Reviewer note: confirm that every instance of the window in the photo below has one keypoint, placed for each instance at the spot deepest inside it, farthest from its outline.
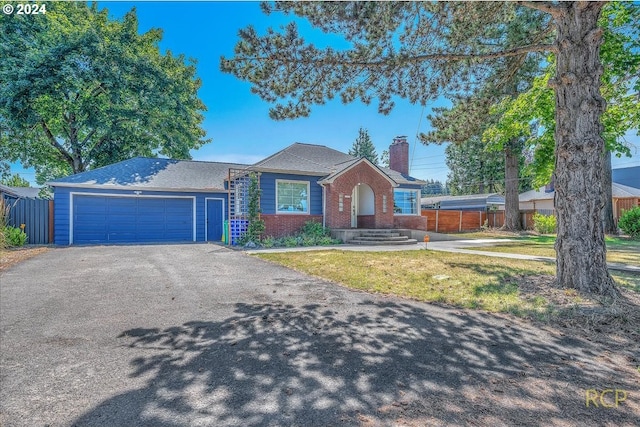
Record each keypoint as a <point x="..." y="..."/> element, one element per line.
<point x="405" y="202"/>
<point x="292" y="196"/>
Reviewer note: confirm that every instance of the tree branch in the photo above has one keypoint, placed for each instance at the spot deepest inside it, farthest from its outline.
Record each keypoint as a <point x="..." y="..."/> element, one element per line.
<point x="56" y="144"/>
<point x="543" y="6"/>
<point x="415" y="59"/>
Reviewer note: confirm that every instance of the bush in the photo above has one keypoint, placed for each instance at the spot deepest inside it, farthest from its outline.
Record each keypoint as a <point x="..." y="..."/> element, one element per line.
<point x="629" y="222"/>
<point x="14" y="236"/>
<point x="544" y="224"/>
<point x="311" y="234"/>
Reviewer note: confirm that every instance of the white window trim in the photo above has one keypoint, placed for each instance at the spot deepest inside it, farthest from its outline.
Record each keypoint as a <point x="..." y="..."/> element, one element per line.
<point x="291" y="181"/>
<point x="417" y="202"/>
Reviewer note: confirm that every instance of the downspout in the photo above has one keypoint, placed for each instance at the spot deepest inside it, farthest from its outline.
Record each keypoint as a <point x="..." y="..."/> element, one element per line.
<point x="324" y="206"/>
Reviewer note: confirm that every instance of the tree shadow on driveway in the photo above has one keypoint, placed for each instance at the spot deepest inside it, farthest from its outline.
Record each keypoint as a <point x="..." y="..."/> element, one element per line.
<point x="381" y="363"/>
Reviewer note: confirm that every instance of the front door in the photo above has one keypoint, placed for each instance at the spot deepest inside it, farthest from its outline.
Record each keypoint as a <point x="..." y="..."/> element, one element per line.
<point x="215" y="219"/>
<point x="354" y="207"/>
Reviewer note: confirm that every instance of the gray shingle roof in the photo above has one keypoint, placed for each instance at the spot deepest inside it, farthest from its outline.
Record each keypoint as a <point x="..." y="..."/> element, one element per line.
<point x="617" y="190"/>
<point x="306" y="158"/>
<point x="154" y="173"/>
<point x="168" y="174"/>
<point x="22" y="192"/>
<point x="319" y="160"/>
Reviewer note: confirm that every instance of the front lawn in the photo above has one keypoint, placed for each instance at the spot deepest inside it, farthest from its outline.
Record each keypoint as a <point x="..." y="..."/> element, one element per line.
<point x="619" y="249"/>
<point x="524" y="288"/>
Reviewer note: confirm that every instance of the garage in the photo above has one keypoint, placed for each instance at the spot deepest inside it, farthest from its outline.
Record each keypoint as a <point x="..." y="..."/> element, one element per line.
<point x="134" y="219"/>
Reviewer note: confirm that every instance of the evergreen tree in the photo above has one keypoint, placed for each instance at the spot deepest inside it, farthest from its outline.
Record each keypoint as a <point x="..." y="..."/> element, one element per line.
<point x="363" y="147"/>
<point x="422" y="50"/>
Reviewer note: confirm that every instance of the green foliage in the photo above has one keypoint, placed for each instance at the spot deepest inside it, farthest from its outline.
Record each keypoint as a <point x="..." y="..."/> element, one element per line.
<point x="80" y="91"/>
<point x="14" y="236"/>
<point x="363" y="147"/>
<point x="256" y="225"/>
<point x="312" y="233"/>
<point x="4" y="216"/>
<point x="544" y="224"/>
<point x="15" y="180"/>
<point x="629" y="222"/>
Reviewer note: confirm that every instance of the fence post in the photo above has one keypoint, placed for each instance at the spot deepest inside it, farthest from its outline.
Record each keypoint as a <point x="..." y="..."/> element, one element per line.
<point x="437" y="212"/>
<point x="460" y="223"/>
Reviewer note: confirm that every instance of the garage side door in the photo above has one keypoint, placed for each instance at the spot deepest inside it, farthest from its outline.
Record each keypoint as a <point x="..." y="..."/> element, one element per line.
<point x="101" y="219"/>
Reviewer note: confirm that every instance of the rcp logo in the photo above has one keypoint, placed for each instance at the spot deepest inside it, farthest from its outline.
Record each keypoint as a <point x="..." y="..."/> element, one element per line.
<point x="608" y="398"/>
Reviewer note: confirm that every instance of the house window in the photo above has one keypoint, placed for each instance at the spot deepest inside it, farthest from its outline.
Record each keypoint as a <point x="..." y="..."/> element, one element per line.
<point x="292" y="196"/>
<point x="384" y="203"/>
<point x="341" y="202"/>
<point x="405" y="202"/>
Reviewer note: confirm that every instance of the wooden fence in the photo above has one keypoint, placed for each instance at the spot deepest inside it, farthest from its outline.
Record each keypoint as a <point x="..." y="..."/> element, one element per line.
<point x="37" y="217"/>
<point x="446" y="221"/>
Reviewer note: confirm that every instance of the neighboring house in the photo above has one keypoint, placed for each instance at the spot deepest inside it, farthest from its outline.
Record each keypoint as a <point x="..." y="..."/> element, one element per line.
<point x="472" y="202"/>
<point x="542" y="200"/>
<point x="627" y="176"/>
<point x="19" y="192"/>
<point x="162" y="200"/>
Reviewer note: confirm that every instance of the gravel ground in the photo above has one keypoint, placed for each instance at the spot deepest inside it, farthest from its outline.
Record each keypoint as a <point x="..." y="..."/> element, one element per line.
<point x="199" y="335"/>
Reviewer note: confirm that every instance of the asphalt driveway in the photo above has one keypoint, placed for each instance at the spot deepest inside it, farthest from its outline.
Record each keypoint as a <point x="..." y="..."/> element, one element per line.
<point x="199" y="335"/>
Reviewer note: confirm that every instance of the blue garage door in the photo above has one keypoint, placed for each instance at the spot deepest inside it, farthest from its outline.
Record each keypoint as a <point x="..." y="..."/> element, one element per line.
<point x="98" y="219"/>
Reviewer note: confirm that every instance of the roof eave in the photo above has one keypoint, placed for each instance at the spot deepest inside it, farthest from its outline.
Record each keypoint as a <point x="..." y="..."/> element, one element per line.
<point x="137" y="188"/>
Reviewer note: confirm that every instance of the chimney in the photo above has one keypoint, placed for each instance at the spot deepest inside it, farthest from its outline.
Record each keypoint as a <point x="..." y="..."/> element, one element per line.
<point x="399" y="155"/>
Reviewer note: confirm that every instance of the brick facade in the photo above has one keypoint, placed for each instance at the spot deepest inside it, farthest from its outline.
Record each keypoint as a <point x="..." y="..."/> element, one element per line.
<point x="286" y="225"/>
<point x="413" y="222"/>
<point x="362" y="173"/>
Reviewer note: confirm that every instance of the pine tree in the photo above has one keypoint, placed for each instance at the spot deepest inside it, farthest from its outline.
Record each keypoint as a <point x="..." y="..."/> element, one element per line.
<point x="363" y="147"/>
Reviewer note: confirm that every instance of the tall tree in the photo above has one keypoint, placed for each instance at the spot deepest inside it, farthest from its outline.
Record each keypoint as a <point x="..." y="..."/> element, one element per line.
<point x="80" y="90"/>
<point x="15" y="180"/>
<point x="620" y="88"/>
<point x="363" y="147"/>
<point x="421" y="50"/>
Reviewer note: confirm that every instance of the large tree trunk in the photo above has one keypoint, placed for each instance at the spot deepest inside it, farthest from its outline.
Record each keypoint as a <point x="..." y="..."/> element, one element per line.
<point x="511" y="199"/>
<point x="607" y="196"/>
<point x="580" y="247"/>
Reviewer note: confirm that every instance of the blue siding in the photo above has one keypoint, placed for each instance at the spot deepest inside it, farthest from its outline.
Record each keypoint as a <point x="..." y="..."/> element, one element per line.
<point x="62" y="208"/>
<point x="268" y="187"/>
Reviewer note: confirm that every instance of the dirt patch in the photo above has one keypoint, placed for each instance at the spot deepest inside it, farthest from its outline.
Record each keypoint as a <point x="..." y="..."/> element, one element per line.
<point x="616" y="323"/>
<point x="11" y="257"/>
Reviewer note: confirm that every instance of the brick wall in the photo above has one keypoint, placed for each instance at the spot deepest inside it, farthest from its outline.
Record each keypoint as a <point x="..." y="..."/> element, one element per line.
<point x="286" y="225"/>
<point x="399" y="156"/>
<point x="345" y="183"/>
<point x="413" y="222"/>
<point x="366" y="221"/>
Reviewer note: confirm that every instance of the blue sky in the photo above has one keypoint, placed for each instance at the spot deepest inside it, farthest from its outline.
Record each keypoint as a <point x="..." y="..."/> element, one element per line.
<point x="238" y="122"/>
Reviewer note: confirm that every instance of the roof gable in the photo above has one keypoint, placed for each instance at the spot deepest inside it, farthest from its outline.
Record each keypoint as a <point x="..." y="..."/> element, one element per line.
<point x="352" y="164"/>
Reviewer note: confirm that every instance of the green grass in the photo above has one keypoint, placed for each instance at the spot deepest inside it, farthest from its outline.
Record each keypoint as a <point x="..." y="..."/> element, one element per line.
<point x="619" y="249"/>
<point x="454" y="279"/>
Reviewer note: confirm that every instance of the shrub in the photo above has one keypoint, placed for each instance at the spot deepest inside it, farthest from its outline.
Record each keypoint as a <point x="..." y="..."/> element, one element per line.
<point x="14" y="236"/>
<point x="544" y="224"/>
<point x="311" y="234"/>
<point x="629" y="222"/>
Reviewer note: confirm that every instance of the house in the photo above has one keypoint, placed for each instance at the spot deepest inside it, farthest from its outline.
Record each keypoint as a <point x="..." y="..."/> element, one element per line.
<point x="8" y="192"/>
<point x="145" y="200"/>
<point x="542" y="199"/>
<point x="472" y="202"/>
<point x="627" y="176"/>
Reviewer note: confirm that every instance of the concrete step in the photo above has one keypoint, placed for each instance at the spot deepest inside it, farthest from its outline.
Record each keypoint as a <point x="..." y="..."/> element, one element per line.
<point x="380" y="235"/>
<point x="381" y="238"/>
<point x="382" y="242"/>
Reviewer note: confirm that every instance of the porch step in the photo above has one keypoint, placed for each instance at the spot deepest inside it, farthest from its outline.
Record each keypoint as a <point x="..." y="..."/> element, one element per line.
<point x="382" y="238"/>
<point x="381" y="242"/>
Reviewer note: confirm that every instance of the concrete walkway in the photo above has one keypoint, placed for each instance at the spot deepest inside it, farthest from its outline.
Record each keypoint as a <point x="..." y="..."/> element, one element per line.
<point x="456" y="246"/>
